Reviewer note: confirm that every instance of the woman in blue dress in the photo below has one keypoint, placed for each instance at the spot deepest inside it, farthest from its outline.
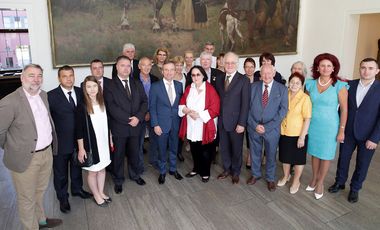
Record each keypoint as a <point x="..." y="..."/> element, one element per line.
<point x="327" y="93"/>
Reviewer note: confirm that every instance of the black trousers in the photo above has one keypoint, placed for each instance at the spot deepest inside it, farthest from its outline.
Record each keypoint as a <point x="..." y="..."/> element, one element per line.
<point x="61" y="164"/>
<point x="202" y="157"/>
<point x="125" y="146"/>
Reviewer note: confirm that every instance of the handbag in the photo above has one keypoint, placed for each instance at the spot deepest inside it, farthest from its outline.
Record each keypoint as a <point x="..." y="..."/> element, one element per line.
<point x="89" y="160"/>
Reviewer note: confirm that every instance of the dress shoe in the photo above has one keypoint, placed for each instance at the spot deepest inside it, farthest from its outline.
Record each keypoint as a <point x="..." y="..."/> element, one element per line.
<point x="64" y="206"/>
<point x="294" y="188"/>
<point x="205" y="179"/>
<point x="252" y="180"/>
<point x="191" y="174"/>
<point x="318" y="196"/>
<point x="118" y="188"/>
<point x="50" y="223"/>
<point x="140" y="181"/>
<point x="223" y="175"/>
<point x="309" y="188"/>
<point x="176" y="175"/>
<point x="353" y="197"/>
<point x="180" y="157"/>
<point x="82" y="194"/>
<point x="161" y="179"/>
<point x="271" y="186"/>
<point x="235" y="179"/>
<point x="248" y="166"/>
<point x="336" y="187"/>
<point x="108" y="200"/>
<point x="283" y="181"/>
<point x="103" y="204"/>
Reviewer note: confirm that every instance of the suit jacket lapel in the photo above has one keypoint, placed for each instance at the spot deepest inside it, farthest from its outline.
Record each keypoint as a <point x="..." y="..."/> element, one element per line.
<point x="273" y="92"/>
<point x="233" y="82"/>
<point x="26" y="105"/>
<point x="164" y="92"/>
<point x="352" y="93"/>
<point x="121" y="87"/>
<point x="63" y="97"/>
<point x="371" y="91"/>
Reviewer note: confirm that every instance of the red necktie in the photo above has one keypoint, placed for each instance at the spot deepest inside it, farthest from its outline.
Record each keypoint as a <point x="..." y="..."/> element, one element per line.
<point x="265" y="96"/>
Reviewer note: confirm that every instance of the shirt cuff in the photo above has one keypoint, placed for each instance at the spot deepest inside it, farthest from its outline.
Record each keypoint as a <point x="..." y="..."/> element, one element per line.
<point x="205" y="116"/>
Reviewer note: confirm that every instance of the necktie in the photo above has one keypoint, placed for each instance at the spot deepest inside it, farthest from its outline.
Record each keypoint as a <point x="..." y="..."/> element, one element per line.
<point x="127" y="89"/>
<point x="265" y="96"/>
<point x="227" y="82"/>
<point x="170" y="93"/>
<point x="71" y="100"/>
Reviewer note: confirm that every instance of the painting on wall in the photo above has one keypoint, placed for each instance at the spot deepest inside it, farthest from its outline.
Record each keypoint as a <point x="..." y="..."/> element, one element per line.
<point x="87" y="29"/>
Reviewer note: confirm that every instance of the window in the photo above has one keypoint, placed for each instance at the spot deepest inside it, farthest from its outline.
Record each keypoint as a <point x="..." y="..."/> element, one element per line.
<point x="14" y="40"/>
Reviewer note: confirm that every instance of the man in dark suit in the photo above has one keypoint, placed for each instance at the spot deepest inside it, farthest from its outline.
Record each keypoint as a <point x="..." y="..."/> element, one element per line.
<point x="147" y="79"/>
<point x="268" y="106"/>
<point x="129" y="51"/>
<point x="97" y="70"/>
<point x="29" y="140"/>
<point x="63" y="101"/>
<point x="233" y="89"/>
<point x="362" y="131"/>
<point x="126" y="104"/>
<point x="212" y="73"/>
<point x="163" y="107"/>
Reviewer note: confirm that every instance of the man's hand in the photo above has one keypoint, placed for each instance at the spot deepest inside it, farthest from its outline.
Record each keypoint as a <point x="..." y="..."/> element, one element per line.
<point x="157" y="130"/>
<point x="260" y="129"/>
<point x="370" y="145"/>
<point x="133" y="121"/>
<point x="239" y="129"/>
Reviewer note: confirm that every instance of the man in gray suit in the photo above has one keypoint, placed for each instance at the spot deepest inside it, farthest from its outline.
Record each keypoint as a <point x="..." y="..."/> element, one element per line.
<point x="27" y="135"/>
<point x="269" y="105"/>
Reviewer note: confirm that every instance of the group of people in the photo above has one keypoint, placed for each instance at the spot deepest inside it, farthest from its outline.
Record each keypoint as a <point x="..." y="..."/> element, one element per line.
<point x="173" y="101"/>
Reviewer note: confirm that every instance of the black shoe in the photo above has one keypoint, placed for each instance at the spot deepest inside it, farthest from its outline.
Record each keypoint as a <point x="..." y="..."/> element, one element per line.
<point x="64" y="206"/>
<point x="82" y="194"/>
<point x="176" y="175"/>
<point x="247" y="166"/>
<point x="118" y="188"/>
<point x="191" y="174"/>
<point x="353" y="197"/>
<point x="108" y="200"/>
<point x="50" y="223"/>
<point x="140" y="181"/>
<point x="103" y="205"/>
<point x="336" y="187"/>
<point x="180" y="157"/>
<point x="144" y="150"/>
<point x="205" y="179"/>
<point x="161" y="179"/>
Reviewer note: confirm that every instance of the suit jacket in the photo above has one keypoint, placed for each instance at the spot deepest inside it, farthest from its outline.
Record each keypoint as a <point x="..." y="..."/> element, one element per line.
<point x="153" y="79"/>
<point x="234" y="103"/>
<point x="363" y="122"/>
<point x="63" y="115"/>
<point x="18" y="132"/>
<point x="162" y="113"/>
<point x="135" y="68"/>
<point x="120" y="108"/>
<point x="271" y="116"/>
<point x="214" y="74"/>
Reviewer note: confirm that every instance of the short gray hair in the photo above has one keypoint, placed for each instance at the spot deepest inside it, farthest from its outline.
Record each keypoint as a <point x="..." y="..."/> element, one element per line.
<point x="304" y="69"/>
<point x="204" y="53"/>
<point x="128" y="46"/>
<point x="31" y="65"/>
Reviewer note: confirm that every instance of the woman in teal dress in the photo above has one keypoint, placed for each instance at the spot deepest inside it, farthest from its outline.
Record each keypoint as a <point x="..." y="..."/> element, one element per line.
<point x="327" y="94"/>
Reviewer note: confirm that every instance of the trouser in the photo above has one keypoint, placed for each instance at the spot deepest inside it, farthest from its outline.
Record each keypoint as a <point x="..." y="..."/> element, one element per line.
<point x="30" y="187"/>
<point x="231" y="147"/>
<point x="202" y="157"/>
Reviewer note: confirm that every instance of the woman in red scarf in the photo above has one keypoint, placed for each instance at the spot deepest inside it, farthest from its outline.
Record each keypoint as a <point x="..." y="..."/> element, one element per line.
<point x="200" y="104"/>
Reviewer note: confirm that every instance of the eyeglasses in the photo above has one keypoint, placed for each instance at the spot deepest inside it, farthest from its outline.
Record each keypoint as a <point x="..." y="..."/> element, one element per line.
<point x="195" y="75"/>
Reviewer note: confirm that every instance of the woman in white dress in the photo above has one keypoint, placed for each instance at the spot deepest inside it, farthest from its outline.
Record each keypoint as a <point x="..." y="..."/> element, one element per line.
<point x="97" y="135"/>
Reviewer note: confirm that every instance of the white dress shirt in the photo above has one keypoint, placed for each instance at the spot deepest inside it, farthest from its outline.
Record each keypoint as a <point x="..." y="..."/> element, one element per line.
<point x="361" y="91"/>
<point x="269" y="87"/>
<point x="166" y="83"/>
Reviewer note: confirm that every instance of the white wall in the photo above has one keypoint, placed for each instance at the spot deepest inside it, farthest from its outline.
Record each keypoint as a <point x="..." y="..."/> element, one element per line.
<point x="325" y="26"/>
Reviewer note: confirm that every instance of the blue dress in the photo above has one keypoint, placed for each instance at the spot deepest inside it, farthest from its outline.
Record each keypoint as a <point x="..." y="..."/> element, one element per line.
<point x="324" y="124"/>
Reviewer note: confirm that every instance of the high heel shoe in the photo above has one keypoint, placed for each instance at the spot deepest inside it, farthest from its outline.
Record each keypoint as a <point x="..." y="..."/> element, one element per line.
<point x="283" y="181"/>
<point x="294" y="189"/>
<point x="310" y="189"/>
<point x="318" y="196"/>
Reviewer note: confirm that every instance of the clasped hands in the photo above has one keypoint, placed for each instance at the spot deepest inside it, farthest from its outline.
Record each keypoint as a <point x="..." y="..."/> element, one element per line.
<point x="192" y="113"/>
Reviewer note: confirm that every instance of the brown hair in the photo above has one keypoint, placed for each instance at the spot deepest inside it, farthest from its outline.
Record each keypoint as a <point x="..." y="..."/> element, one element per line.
<point x="99" y="95"/>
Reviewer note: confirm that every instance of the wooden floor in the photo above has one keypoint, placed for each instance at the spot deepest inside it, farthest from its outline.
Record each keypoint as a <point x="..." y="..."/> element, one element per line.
<point x="191" y="204"/>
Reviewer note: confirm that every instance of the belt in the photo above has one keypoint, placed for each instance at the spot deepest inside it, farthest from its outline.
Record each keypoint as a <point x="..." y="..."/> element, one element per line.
<point x="40" y="150"/>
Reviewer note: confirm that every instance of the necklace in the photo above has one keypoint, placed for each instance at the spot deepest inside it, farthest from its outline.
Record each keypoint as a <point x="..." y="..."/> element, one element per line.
<point x="323" y="85"/>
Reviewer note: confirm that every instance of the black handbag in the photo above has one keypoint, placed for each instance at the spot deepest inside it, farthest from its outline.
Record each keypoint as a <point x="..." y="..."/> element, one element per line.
<point x="89" y="160"/>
